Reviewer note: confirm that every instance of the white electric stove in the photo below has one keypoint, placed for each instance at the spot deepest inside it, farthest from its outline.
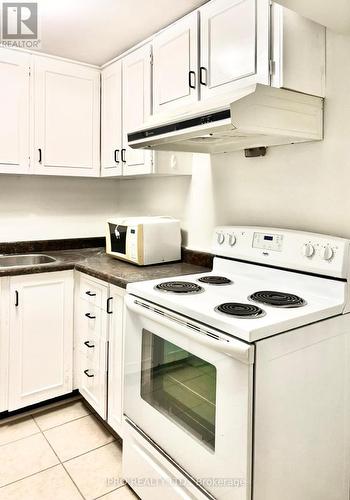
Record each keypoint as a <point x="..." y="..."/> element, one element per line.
<point x="238" y="376"/>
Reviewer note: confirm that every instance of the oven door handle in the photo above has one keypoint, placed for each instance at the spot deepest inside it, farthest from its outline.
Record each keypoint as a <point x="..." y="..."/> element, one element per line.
<point x="214" y="340"/>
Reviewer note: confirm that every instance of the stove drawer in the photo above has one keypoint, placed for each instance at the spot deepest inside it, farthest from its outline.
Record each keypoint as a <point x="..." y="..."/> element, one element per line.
<point x="142" y="460"/>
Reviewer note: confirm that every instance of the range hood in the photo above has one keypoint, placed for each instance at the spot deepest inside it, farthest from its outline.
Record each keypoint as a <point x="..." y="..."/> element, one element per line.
<point x="258" y="115"/>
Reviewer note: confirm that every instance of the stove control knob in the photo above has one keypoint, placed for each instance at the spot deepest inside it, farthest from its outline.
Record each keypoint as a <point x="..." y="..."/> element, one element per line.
<point x="220" y="238"/>
<point x="231" y="239"/>
<point x="327" y="253"/>
<point x="308" y="250"/>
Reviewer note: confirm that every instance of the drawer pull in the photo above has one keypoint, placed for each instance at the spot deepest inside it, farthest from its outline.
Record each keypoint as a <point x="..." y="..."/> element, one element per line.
<point x="90" y="294"/>
<point x="90" y="346"/>
<point x="88" y="315"/>
<point x="88" y="374"/>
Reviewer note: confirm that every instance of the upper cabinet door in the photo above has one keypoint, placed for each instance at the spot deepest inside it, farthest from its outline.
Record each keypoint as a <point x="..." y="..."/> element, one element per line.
<point x="234" y="45"/>
<point x="111" y="121"/>
<point x="67" y="121"/>
<point x="14" y="106"/>
<point x="175" y="65"/>
<point x="136" y="108"/>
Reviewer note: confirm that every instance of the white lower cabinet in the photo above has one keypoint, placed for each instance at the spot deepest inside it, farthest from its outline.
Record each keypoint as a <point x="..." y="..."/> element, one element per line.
<point x="43" y="355"/>
<point x="98" y="347"/>
<point x="40" y="337"/>
<point x="92" y="353"/>
<point x="116" y="360"/>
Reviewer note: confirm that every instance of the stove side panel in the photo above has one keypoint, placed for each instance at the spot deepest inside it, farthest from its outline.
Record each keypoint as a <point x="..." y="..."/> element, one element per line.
<point x="302" y="413"/>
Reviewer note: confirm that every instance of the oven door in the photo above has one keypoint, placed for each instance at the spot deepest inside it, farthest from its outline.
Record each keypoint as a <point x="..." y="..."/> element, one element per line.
<point x="189" y="389"/>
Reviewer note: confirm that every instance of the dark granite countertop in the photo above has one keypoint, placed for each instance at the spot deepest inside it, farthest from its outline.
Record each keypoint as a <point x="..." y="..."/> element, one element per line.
<point x="95" y="262"/>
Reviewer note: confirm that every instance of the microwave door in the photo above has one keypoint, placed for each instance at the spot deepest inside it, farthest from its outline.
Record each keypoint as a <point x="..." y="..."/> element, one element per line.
<point x="118" y="235"/>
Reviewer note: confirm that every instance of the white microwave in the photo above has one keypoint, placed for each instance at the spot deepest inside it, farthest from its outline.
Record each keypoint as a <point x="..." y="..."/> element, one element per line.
<point x="144" y="240"/>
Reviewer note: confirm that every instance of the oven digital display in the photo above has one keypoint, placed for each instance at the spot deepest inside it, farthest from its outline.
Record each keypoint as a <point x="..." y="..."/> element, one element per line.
<point x="265" y="241"/>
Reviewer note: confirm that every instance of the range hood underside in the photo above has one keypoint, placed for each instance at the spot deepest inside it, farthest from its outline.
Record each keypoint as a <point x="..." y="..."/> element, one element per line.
<point x="265" y="116"/>
<point x="223" y="141"/>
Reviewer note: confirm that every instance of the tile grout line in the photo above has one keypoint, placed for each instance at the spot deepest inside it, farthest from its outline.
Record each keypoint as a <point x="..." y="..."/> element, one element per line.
<point x="29" y="475"/>
<point x="111" y="491"/>
<point x="61" y="463"/>
<point x="21" y="439"/>
<point x="89" y="451"/>
<point x="64" y="423"/>
<point x="41" y="430"/>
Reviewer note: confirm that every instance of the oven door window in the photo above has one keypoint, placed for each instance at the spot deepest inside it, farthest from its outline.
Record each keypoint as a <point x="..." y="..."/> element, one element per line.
<point x="118" y="238"/>
<point x="179" y="385"/>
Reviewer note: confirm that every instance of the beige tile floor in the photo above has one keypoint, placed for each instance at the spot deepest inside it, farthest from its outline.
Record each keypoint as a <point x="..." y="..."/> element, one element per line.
<point x="60" y="452"/>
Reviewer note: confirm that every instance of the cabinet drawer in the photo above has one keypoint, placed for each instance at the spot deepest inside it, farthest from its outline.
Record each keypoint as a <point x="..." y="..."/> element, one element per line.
<point x="93" y="292"/>
<point x="93" y="384"/>
<point x="92" y="322"/>
<point x="92" y="350"/>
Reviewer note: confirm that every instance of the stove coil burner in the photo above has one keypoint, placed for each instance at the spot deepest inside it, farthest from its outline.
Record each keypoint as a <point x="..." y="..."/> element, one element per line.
<point x="237" y="310"/>
<point x="179" y="287"/>
<point x="277" y="299"/>
<point x="215" y="280"/>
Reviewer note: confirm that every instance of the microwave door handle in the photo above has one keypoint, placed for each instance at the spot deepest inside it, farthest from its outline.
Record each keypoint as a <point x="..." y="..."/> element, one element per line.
<point x="235" y="348"/>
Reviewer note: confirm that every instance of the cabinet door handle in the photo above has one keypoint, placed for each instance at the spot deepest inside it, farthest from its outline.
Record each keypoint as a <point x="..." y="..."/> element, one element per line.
<point x="109" y="300"/>
<point x="192" y="81"/>
<point x="88" y="315"/>
<point x="203" y="75"/>
<point x="124" y="155"/>
<point x="40" y="155"/>
<point x="16" y="299"/>
<point x="87" y="374"/>
<point x="90" y="346"/>
<point x="90" y="294"/>
<point x="116" y="155"/>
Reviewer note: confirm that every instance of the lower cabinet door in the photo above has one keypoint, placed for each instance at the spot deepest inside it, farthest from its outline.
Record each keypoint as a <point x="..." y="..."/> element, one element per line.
<point x="41" y="337"/>
<point x="115" y="360"/>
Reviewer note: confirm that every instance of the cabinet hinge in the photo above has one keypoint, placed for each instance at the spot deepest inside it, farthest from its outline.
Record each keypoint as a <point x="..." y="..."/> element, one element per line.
<point x="151" y="56"/>
<point x="30" y="71"/>
<point x="272" y="65"/>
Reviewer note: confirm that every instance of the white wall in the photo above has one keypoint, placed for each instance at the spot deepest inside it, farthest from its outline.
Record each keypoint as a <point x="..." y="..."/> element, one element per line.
<point x="36" y="208"/>
<point x="304" y="186"/>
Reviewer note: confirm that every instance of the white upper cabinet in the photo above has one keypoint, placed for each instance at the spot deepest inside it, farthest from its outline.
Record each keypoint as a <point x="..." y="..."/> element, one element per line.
<point x="175" y="64"/>
<point x="298" y="51"/>
<point x="67" y="118"/>
<point x="111" y="120"/>
<point x="40" y="337"/>
<point x="14" y="106"/>
<point x="234" y="45"/>
<point x="136" y="108"/>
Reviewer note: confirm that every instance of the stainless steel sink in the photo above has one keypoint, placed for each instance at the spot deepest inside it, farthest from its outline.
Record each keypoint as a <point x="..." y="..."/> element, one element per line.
<point x="27" y="260"/>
